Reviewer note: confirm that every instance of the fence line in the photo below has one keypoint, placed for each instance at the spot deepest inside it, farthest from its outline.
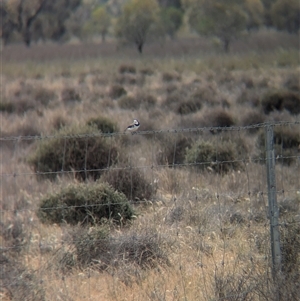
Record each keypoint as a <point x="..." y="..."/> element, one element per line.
<point x="217" y="206"/>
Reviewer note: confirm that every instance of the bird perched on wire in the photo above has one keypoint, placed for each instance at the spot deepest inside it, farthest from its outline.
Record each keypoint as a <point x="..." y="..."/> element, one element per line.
<point x="133" y="127"/>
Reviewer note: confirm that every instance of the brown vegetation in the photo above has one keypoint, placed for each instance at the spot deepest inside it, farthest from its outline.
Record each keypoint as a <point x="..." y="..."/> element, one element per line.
<point x="175" y="211"/>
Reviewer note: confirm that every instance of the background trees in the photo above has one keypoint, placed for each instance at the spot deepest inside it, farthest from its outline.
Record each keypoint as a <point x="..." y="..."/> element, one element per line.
<point x="223" y="19"/>
<point x="43" y="19"/>
<point x="285" y="15"/>
<point x="138" y="21"/>
<point x="135" y="22"/>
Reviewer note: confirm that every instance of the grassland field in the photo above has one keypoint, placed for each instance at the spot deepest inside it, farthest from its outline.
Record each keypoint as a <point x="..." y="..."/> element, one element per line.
<point x="200" y="229"/>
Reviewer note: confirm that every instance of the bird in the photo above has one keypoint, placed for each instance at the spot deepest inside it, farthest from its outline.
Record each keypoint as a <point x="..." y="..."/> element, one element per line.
<point x="133" y="127"/>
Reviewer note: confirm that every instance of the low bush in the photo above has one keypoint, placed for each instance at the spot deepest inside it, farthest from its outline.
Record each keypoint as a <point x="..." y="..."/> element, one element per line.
<point x="170" y="76"/>
<point x="116" y="91"/>
<point x="131" y="182"/>
<point x="253" y="118"/>
<point x="85" y="203"/>
<point x="95" y="248"/>
<point x="173" y="149"/>
<point x="188" y="107"/>
<point x="129" y="103"/>
<point x="103" y="124"/>
<point x="286" y="144"/>
<point x="280" y="100"/>
<point x="6" y="106"/>
<point x="148" y="101"/>
<point x="219" y="118"/>
<point x="125" y="68"/>
<point x="221" y="157"/>
<point x="74" y="149"/>
<point x="69" y="94"/>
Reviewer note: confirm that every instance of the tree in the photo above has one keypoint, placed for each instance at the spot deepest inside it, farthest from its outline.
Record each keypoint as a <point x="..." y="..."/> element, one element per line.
<point x="285" y="15"/>
<point x="255" y="13"/>
<point x="20" y="16"/>
<point x="135" y="22"/>
<point x="101" y="21"/>
<point x="6" y="24"/>
<point x="36" y="18"/>
<point x="171" y="20"/>
<point x="220" y="18"/>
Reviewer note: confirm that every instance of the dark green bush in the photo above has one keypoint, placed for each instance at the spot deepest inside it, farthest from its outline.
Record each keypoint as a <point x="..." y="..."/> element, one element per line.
<point x="74" y="149"/>
<point x="280" y="100"/>
<point x="129" y="181"/>
<point x="103" y="124"/>
<point x="116" y="91"/>
<point x="85" y="203"/>
<point x="221" y="157"/>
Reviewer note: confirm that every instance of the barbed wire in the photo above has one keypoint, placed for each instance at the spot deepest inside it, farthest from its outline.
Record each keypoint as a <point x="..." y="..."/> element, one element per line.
<point x="171" y="130"/>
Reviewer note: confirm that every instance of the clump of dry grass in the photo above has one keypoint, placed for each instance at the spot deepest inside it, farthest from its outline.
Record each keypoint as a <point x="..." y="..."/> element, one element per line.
<point x="125" y="68"/>
<point x="116" y="91"/>
<point x="131" y="182"/>
<point x="70" y="94"/>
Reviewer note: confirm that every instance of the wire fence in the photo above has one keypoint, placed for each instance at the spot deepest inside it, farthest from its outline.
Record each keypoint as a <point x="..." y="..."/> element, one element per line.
<point x="199" y="230"/>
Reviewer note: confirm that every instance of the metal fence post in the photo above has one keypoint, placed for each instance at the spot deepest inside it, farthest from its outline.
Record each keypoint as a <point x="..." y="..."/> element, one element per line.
<point x="272" y="197"/>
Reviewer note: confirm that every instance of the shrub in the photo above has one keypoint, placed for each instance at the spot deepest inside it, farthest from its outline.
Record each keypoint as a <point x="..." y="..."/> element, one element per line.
<point x="170" y="76"/>
<point x="144" y="249"/>
<point x="6" y="106"/>
<point x="103" y="124"/>
<point x="219" y="118"/>
<point x="116" y="91"/>
<point x="173" y="149"/>
<point x="70" y="95"/>
<point x="92" y="244"/>
<point x="129" y="181"/>
<point x="292" y="82"/>
<point x="95" y="248"/>
<point x="148" y="101"/>
<point x="286" y="143"/>
<point x="172" y="100"/>
<point x="128" y="79"/>
<point x="146" y="71"/>
<point x="85" y="203"/>
<point x="218" y="156"/>
<point x="44" y="95"/>
<point x="253" y="118"/>
<point x="249" y="97"/>
<point x="129" y="103"/>
<point x="74" y="149"/>
<point x="188" y="107"/>
<point x="124" y="68"/>
<point x="280" y="100"/>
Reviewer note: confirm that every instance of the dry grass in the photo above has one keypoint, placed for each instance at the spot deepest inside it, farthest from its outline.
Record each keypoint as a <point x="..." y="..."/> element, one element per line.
<point x="199" y="234"/>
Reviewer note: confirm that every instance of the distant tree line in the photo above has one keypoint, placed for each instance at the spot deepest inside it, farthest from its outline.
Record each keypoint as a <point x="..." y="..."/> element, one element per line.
<point x="138" y="21"/>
